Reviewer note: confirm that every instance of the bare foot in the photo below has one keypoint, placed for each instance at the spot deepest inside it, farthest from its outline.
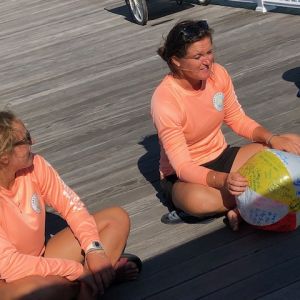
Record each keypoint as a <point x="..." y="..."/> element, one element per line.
<point x="234" y="219"/>
<point x="126" y="270"/>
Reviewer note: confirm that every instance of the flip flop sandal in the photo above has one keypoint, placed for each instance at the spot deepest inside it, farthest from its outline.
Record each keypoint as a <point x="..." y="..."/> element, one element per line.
<point x="133" y="258"/>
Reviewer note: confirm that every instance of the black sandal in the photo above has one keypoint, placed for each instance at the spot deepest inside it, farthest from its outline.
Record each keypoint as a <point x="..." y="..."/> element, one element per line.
<point x="133" y="258"/>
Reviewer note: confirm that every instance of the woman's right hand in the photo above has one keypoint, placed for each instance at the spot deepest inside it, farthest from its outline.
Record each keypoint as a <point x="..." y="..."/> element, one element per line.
<point x="235" y="183"/>
<point x="100" y="266"/>
<point x="88" y="286"/>
<point x="86" y="292"/>
<point x="98" y="272"/>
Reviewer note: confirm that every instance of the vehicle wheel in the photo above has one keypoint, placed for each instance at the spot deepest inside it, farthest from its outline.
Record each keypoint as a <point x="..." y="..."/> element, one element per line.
<point x="138" y="10"/>
<point x="203" y="2"/>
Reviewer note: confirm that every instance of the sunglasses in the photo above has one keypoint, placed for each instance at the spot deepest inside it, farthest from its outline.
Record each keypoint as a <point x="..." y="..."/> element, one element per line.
<point x="27" y="140"/>
<point x="191" y="31"/>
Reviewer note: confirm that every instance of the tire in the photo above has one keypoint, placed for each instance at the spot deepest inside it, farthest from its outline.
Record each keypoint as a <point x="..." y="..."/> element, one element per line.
<point x="138" y="10"/>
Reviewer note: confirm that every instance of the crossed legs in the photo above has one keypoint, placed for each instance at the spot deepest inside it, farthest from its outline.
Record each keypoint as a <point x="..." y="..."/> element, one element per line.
<point x="199" y="200"/>
<point x="113" y="226"/>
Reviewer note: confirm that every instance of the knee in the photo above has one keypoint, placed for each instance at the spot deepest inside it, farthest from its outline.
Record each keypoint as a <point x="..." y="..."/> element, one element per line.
<point x="189" y="202"/>
<point x="113" y="215"/>
<point x="199" y="203"/>
<point x="121" y="215"/>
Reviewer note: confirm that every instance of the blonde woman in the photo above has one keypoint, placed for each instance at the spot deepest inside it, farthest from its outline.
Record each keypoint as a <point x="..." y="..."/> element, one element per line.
<point x="81" y="260"/>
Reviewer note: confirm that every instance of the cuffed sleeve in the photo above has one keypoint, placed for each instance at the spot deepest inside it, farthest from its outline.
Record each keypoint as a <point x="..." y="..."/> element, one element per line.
<point x="15" y="265"/>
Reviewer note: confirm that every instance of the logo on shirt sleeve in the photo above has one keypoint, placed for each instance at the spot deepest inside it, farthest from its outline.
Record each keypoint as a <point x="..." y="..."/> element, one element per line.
<point x="218" y="101"/>
<point x="35" y="203"/>
<point x="74" y="200"/>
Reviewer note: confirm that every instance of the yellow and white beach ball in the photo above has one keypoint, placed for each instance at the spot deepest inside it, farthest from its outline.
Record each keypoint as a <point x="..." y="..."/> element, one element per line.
<point x="274" y="187"/>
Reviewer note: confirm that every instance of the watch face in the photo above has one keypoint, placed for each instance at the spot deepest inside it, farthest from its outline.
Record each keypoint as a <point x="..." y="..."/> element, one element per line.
<point x="96" y="244"/>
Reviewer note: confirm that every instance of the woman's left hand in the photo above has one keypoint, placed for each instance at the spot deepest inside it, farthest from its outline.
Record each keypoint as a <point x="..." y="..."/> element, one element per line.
<point x="235" y="183"/>
<point x="288" y="142"/>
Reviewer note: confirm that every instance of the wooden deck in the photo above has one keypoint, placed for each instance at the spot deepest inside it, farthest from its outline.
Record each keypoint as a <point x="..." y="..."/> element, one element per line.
<point x="81" y="75"/>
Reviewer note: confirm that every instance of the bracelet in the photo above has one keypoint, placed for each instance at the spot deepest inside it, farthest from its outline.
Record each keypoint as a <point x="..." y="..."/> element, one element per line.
<point x="270" y="138"/>
<point x="214" y="179"/>
<point x="93" y="250"/>
<point x="214" y="183"/>
<point x="90" y="251"/>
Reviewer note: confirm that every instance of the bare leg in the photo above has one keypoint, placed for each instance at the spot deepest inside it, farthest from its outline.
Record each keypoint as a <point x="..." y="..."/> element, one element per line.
<point x="245" y="153"/>
<point x="113" y="227"/>
<point x="199" y="200"/>
<point x="37" y="287"/>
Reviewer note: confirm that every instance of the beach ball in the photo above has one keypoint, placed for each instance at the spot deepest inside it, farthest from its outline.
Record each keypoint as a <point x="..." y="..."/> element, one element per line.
<point x="274" y="187"/>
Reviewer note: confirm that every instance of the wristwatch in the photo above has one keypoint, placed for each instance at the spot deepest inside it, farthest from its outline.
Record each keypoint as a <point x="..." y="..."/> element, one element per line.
<point x="93" y="246"/>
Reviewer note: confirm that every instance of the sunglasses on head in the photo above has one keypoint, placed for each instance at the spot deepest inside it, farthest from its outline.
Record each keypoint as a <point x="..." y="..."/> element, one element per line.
<point x="27" y="140"/>
<point x="189" y="32"/>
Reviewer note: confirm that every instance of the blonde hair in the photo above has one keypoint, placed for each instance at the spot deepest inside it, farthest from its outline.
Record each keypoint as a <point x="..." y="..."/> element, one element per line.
<point x="7" y="137"/>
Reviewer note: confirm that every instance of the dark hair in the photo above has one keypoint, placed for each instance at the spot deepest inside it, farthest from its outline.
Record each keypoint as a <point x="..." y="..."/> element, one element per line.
<point x="180" y="37"/>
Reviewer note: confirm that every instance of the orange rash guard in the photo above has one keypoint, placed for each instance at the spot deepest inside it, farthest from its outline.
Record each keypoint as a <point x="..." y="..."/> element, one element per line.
<point x="189" y="124"/>
<point x="22" y="223"/>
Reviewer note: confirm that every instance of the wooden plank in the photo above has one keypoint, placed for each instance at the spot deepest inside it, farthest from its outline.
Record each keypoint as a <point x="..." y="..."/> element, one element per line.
<point x="217" y="266"/>
<point x="81" y="76"/>
<point x="248" y="274"/>
<point x="290" y="291"/>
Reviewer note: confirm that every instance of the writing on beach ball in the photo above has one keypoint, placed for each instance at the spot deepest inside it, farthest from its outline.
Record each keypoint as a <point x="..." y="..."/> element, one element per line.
<point x="274" y="187"/>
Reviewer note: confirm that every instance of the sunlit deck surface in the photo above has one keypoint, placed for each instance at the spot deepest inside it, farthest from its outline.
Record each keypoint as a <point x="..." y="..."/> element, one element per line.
<point x="81" y="75"/>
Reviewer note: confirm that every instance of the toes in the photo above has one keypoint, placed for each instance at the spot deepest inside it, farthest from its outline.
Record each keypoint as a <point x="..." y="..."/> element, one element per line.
<point x="126" y="270"/>
<point x="233" y="219"/>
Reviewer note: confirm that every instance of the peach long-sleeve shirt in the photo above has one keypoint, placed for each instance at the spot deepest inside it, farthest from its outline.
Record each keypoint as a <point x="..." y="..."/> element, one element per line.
<point x="22" y="223"/>
<point x="189" y="124"/>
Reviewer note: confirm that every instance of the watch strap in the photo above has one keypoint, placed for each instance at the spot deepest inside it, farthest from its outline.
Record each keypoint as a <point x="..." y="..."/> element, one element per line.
<point x="93" y="246"/>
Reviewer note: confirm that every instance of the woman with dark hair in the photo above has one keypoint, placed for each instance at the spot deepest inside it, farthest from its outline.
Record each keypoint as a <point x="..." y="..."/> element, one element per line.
<point x="198" y="168"/>
<point x="81" y="260"/>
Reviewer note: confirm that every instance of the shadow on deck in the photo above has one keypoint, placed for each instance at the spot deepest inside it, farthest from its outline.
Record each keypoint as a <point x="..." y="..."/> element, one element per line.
<point x="221" y="265"/>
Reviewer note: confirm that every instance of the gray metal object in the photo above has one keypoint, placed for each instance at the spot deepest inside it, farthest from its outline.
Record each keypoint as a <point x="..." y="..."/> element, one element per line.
<point x="138" y="10"/>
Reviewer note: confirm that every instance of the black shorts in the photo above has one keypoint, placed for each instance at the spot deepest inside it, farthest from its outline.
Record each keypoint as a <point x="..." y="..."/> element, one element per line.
<point x="54" y="224"/>
<point x="222" y="163"/>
